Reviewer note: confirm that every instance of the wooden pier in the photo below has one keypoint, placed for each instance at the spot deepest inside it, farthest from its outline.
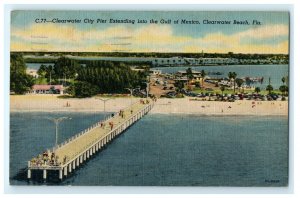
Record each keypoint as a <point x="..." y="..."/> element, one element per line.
<point x="68" y="156"/>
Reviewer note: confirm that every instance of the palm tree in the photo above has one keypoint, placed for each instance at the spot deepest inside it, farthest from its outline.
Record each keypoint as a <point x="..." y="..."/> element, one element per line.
<point x="283" y="80"/>
<point x="203" y="74"/>
<point x="239" y="82"/>
<point x="257" y="90"/>
<point x="179" y="85"/>
<point x="189" y="74"/>
<point x="222" y="88"/>
<point x="232" y="75"/>
<point x="50" y="71"/>
<point x="269" y="88"/>
<point x="283" y="89"/>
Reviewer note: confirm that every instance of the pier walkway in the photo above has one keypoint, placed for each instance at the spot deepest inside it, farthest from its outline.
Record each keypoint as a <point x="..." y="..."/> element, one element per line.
<point x="68" y="155"/>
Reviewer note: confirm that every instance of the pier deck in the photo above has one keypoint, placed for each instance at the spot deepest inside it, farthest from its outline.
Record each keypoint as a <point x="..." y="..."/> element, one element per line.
<point x="71" y="153"/>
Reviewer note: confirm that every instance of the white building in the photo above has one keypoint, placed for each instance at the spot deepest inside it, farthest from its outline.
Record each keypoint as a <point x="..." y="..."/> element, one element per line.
<point x="47" y="89"/>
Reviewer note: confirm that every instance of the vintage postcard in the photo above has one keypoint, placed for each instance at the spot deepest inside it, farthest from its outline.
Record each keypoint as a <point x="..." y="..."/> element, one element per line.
<point x="149" y="98"/>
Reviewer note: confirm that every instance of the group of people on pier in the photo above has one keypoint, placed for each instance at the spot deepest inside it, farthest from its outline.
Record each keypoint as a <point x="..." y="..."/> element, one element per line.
<point x="45" y="159"/>
<point x="144" y="101"/>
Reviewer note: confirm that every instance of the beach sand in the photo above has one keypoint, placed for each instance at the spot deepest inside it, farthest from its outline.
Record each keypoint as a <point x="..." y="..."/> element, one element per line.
<point x="185" y="105"/>
<point x="239" y="107"/>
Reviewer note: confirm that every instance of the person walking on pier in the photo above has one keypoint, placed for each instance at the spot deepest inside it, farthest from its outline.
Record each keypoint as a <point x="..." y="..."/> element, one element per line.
<point x="121" y="113"/>
<point x="111" y="124"/>
<point x="65" y="159"/>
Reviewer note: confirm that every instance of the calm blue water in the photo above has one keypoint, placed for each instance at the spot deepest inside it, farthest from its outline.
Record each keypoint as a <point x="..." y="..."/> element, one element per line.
<point x="275" y="72"/>
<point x="36" y="66"/>
<point x="165" y="150"/>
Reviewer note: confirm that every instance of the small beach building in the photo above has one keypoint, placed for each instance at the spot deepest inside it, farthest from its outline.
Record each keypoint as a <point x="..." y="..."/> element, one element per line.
<point x="155" y="72"/>
<point x="183" y="74"/>
<point x="47" y="89"/>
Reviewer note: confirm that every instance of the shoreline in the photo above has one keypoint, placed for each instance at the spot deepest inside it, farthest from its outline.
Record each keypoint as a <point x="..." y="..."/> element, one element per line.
<point x="151" y="113"/>
<point x="166" y="106"/>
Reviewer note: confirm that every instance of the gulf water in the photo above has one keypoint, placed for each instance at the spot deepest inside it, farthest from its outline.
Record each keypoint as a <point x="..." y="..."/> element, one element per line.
<point x="163" y="150"/>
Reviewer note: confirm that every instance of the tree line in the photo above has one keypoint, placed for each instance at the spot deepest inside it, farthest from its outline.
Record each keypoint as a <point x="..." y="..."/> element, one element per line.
<point x="163" y="55"/>
<point x="20" y="82"/>
<point x="93" y="77"/>
<point x="107" y="77"/>
<point x="84" y="80"/>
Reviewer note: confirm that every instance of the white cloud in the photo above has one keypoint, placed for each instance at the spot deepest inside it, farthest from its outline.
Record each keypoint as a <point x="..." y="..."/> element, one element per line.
<point x="148" y="38"/>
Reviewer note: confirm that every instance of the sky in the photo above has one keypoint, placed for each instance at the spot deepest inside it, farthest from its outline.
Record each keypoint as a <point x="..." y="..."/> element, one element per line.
<point x="271" y="36"/>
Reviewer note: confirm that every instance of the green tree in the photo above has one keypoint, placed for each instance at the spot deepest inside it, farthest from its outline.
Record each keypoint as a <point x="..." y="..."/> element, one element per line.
<point x="222" y="88"/>
<point x="283" y="80"/>
<point x="83" y="89"/>
<point x="257" y="90"/>
<point x="42" y="71"/>
<point x="203" y="74"/>
<point x="283" y="89"/>
<point x="269" y="88"/>
<point x="71" y="89"/>
<point x="189" y="74"/>
<point x="65" y="68"/>
<point x="17" y="64"/>
<point x="239" y="82"/>
<point x="111" y="77"/>
<point x="179" y="85"/>
<point x="232" y="76"/>
<point x="50" y="74"/>
<point x="20" y="82"/>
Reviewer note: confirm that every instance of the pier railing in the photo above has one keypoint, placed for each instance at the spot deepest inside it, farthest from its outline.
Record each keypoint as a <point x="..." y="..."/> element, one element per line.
<point x="76" y="158"/>
<point x="88" y="129"/>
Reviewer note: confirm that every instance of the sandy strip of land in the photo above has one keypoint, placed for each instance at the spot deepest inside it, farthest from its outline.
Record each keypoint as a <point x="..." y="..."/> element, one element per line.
<point x="49" y="103"/>
<point x="240" y="107"/>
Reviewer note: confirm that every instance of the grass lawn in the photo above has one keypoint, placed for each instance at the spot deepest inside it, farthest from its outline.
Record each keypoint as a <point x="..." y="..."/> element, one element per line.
<point x="41" y="81"/>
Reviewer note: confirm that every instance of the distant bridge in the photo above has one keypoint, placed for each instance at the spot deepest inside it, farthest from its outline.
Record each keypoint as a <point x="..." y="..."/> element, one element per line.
<point x="68" y="156"/>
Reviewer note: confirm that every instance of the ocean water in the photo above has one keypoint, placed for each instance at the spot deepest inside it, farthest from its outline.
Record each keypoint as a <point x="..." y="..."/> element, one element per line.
<point x="164" y="150"/>
<point x="36" y="66"/>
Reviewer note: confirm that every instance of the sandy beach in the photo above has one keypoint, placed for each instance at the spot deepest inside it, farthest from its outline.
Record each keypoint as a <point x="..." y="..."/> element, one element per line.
<point x="240" y="107"/>
<point x="49" y="103"/>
